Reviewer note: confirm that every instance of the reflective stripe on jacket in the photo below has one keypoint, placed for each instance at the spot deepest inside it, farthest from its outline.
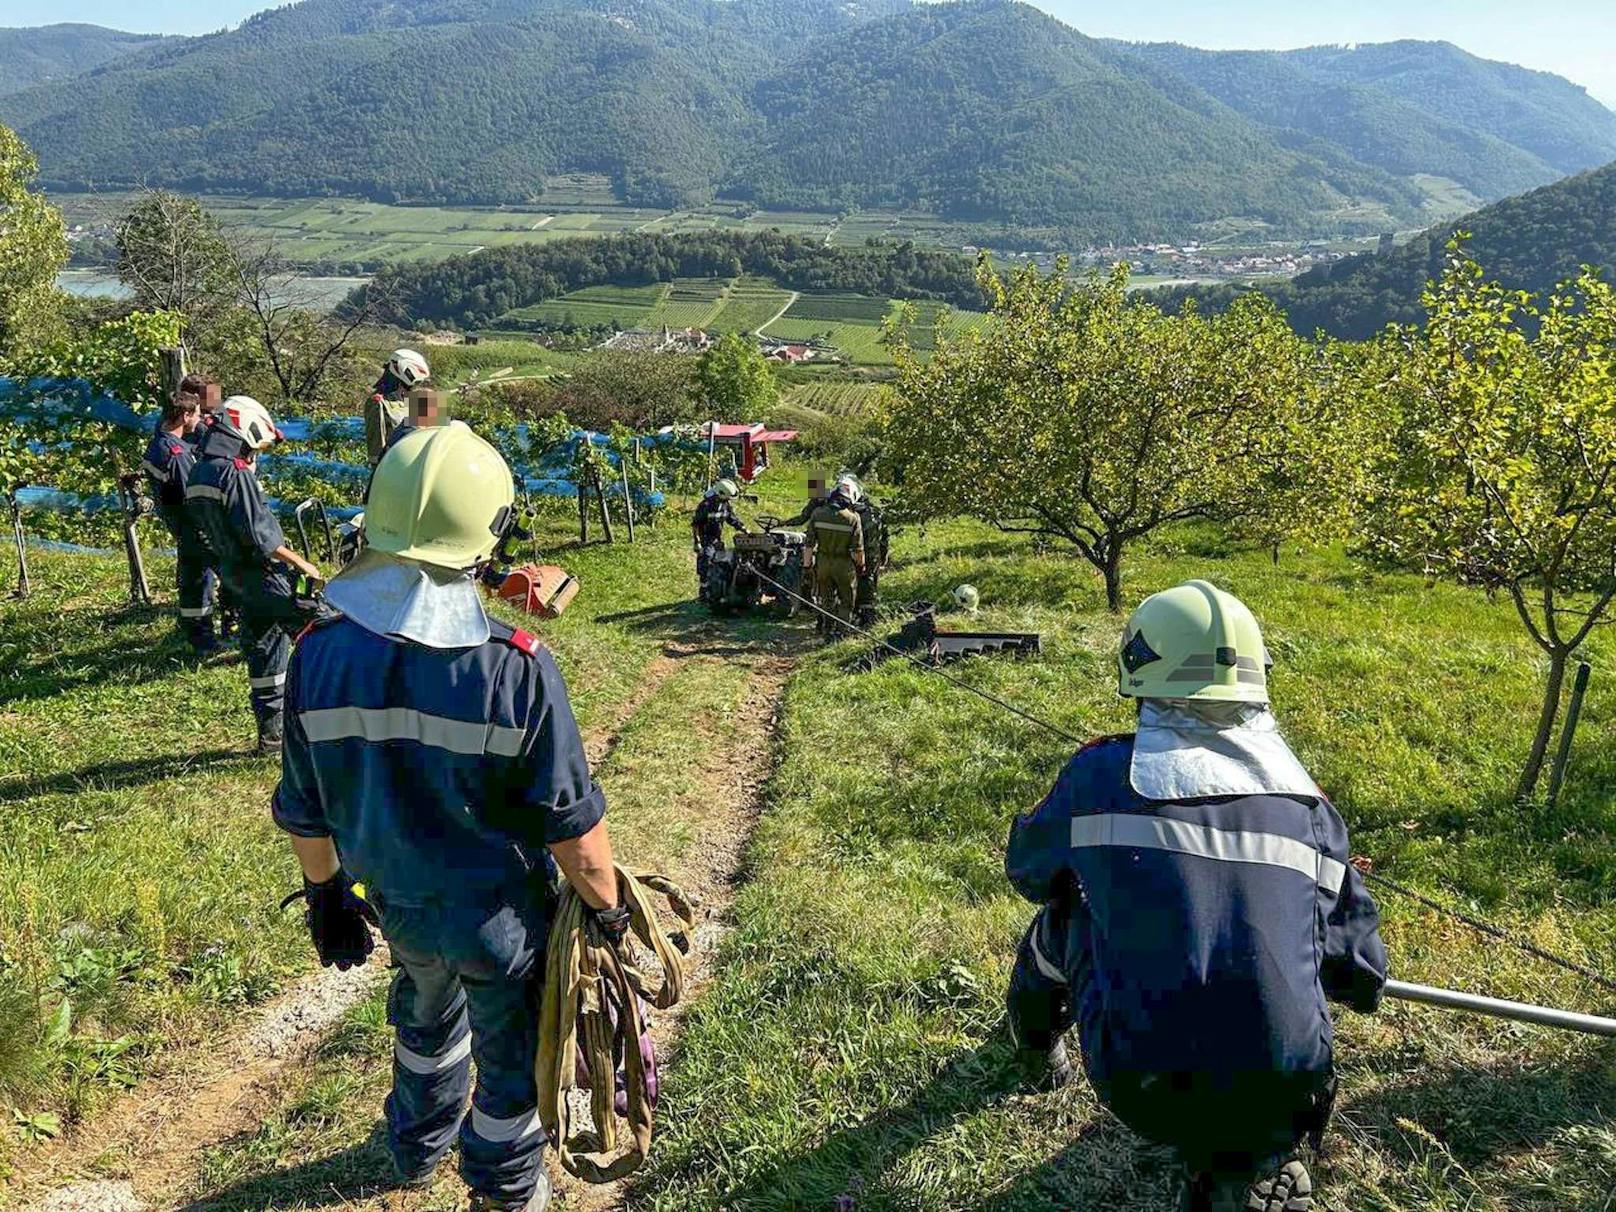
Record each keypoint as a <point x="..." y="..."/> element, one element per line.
<point x="836" y="534"/>
<point x="1207" y="932"/>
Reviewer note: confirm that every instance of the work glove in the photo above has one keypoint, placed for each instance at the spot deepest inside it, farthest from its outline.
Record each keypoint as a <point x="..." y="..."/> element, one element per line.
<point x="339" y="921"/>
<point x="607" y="927"/>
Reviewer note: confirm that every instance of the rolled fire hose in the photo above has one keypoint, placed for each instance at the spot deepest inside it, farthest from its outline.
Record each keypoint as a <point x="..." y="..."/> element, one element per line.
<point x="592" y="1009"/>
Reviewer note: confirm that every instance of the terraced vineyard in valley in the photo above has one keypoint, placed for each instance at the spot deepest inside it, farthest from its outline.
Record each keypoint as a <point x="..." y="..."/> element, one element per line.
<point x="834" y="399"/>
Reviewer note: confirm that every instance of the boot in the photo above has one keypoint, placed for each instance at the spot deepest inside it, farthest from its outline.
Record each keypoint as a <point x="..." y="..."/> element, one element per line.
<point x="204" y="643"/>
<point x="1044" y="1071"/>
<point x="271" y="729"/>
<point x="1287" y="1189"/>
<point x="537" y="1202"/>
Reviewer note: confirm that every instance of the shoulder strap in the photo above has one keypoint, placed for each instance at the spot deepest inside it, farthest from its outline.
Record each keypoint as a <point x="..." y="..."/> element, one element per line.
<point x="514" y="637"/>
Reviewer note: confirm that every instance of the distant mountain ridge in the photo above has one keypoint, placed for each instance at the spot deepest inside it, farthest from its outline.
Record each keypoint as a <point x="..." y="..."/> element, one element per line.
<point x="985" y="111"/>
<point x="41" y="54"/>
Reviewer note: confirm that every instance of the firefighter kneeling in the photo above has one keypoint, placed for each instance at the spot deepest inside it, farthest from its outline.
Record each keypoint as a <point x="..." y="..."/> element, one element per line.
<point x="1198" y="909"/>
<point x="432" y="755"/>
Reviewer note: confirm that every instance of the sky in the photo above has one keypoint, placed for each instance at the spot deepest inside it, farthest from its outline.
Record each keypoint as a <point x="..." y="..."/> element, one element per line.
<point x="1575" y="38"/>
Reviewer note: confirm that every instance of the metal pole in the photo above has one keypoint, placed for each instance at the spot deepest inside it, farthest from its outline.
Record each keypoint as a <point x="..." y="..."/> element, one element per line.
<point x="1520" y="1012"/>
<point x="628" y="500"/>
<point x="129" y="494"/>
<point x="712" y="449"/>
<point x="21" y="540"/>
<point x="1579" y="688"/>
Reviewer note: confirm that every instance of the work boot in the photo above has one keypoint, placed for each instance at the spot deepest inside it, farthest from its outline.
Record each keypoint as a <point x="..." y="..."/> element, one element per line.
<point x="271" y="729"/>
<point x="537" y="1202"/>
<point x="205" y="644"/>
<point x="417" y="1180"/>
<point x="1045" y="1071"/>
<point x="1287" y="1189"/>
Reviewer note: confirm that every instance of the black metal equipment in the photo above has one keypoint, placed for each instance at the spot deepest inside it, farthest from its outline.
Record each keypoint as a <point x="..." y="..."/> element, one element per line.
<point x="135" y="506"/>
<point x="741" y="577"/>
<point x="921" y="637"/>
<point x="313" y="505"/>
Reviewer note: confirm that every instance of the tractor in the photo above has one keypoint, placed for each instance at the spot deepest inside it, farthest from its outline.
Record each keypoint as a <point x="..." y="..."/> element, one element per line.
<point x="733" y="576"/>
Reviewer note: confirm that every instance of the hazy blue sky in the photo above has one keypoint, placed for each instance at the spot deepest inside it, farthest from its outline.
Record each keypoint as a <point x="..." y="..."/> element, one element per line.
<point x="1576" y="38"/>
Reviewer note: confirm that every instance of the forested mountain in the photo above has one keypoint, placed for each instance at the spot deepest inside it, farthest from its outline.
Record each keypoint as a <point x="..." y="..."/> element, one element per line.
<point x="54" y="52"/>
<point x="1532" y="242"/>
<point x="985" y="110"/>
<point x="1299" y="96"/>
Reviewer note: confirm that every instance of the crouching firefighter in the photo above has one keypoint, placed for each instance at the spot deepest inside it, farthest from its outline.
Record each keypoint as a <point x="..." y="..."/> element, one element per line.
<point x="432" y="755"/>
<point x="224" y="501"/>
<point x="715" y="511"/>
<point x="1198" y="909"/>
<point x="167" y="463"/>
<point x="834" y="549"/>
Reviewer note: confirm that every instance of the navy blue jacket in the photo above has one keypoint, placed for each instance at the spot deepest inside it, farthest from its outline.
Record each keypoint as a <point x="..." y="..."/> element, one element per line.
<point x="224" y="501"/>
<point x="1202" y="936"/>
<point x="167" y="463"/>
<point x="440" y="774"/>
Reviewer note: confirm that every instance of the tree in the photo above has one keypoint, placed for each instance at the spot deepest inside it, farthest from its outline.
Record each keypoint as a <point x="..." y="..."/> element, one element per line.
<point x="1095" y="419"/>
<point x="173" y="255"/>
<point x="644" y="391"/>
<point x="33" y="250"/>
<point x="735" y="381"/>
<point x="1501" y="469"/>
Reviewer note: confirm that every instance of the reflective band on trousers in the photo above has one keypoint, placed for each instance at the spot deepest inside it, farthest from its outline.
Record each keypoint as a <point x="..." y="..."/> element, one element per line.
<point x="268" y="683"/>
<point x="419" y="1062"/>
<point x="504" y="1131"/>
<point x="1201" y="841"/>
<point x="1041" y="960"/>
<point x="205" y="491"/>
<point x="378" y="724"/>
<point x="195" y="612"/>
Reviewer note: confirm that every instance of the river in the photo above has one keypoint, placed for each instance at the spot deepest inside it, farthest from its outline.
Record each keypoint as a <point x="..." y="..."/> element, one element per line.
<point x="100" y="284"/>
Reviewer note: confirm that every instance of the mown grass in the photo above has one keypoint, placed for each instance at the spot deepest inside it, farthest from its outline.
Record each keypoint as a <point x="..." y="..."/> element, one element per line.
<point x="851" y="1053"/>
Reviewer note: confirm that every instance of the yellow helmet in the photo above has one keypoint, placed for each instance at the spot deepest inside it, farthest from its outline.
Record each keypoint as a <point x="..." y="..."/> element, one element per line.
<point x="441" y="496"/>
<point x="1193" y="641"/>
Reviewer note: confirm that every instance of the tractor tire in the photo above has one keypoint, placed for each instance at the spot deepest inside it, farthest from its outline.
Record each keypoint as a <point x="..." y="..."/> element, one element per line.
<point x="785" y="605"/>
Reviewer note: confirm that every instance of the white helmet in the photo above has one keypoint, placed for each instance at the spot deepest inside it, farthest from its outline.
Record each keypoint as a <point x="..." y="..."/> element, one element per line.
<point x="851" y="489"/>
<point x="409" y="367"/>
<point x="726" y="490"/>
<point x="967" y="598"/>
<point x="252" y="421"/>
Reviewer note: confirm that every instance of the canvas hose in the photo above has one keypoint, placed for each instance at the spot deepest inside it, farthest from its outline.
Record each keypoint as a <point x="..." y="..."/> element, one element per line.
<point x="1525" y="946"/>
<point x="592" y="1010"/>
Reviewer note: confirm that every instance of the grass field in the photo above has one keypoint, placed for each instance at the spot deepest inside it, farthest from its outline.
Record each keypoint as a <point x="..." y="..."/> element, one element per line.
<point x="595" y="306"/>
<point x="849" y="1052"/>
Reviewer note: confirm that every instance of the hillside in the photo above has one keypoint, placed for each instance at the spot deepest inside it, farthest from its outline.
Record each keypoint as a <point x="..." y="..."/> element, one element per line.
<point x="29" y="57"/>
<point x="1403" y="130"/>
<point x="987" y="111"/>
<point x="1530" y="242"/>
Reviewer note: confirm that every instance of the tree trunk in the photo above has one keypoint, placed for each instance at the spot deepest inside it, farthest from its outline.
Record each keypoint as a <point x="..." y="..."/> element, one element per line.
<point x="1112" y="569"/>
<point x="1545" y="726"/>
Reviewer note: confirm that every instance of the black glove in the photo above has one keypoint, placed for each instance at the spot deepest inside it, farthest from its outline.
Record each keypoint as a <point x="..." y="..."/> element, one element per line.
<point x="607" y="927"/>
<point x="338" y="921"/>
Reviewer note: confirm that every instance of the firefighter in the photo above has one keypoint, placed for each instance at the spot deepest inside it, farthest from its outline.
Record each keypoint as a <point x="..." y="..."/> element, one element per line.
<point x="225" y="503"/>
<point x="432" y="755"/>
<point x="875" y="549"/>
<point x="716" y="511"/>
<point x="386" y="409"/>
<point x="1198" y="908"/>
<point x="167" y="464"/>
<point x="834" y="549"/>
<point x="211" y="398"/>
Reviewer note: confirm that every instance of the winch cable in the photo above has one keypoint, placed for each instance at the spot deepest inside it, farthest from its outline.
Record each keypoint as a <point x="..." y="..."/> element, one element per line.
<point x="1525" y="946"/>
<point x="920" y="664"/>
<point x="591" y="1011"/>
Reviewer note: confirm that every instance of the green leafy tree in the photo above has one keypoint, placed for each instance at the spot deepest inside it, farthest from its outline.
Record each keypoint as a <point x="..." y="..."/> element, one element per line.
<point x="1501" y="468"/>
<point x="641" y="390"/>
<point x="33" y="249"/>
<point x="735" y="381"/>
<point x="1088" y="417"/>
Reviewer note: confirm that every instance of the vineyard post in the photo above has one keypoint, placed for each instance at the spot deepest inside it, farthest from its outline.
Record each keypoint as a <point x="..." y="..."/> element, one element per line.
<point x="583" y="511"/>
<point x="21" y="541"/>
<point x="173" y="369"/>
<point x="628" y="500"/>
<point x="600" y="495"/>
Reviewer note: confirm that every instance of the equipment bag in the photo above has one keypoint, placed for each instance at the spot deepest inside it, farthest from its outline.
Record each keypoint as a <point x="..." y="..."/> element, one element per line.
<point x="592" y="1024"/>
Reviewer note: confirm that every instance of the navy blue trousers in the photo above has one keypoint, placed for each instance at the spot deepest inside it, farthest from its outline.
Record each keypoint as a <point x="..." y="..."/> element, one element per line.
<point x="467" y="989"/>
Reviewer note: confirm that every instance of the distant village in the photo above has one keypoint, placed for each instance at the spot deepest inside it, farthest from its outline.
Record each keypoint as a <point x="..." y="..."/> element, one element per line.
<point x="695" y="340"/>
<point x="1195" y="262"/>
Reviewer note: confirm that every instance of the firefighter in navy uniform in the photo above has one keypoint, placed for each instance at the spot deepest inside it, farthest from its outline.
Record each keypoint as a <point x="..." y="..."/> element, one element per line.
<point x="167" y="463"/>
<point x="432" y="755"/>
<point x="225" y="503"/>
<point x="716" y="511"/>
<point x="1198" y="909"/>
